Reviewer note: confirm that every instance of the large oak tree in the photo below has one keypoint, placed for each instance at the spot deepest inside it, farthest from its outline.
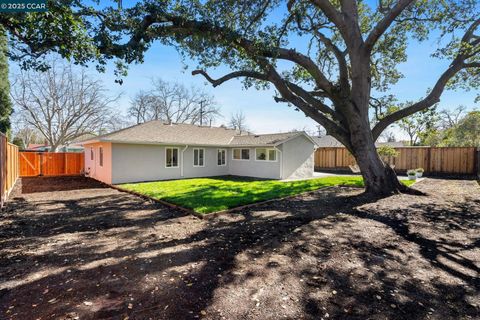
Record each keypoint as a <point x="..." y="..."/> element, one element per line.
<point x="329" y="59"/>
<point x="349" y="53"/>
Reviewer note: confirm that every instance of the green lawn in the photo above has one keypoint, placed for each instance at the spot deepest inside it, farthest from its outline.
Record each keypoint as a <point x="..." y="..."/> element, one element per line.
<point x="205" y="195"/>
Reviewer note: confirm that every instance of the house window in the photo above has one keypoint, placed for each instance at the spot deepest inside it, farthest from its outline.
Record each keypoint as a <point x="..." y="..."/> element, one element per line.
<point x="100" y="156"/>
<point x="241" y="154"/>
<point x="171" y="157"/>
<point x="91" y="153"/>
<point x="221" y="157"/>
<point x="264" y="154"/>
<point x="198" y="157"/>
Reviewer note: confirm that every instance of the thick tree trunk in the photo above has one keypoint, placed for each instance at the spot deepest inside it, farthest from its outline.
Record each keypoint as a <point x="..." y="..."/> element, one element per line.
<point x="379" y="178"/>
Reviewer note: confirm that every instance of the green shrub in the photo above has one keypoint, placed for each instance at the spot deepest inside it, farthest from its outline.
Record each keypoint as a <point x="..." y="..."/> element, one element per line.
<point x="387" y="151"/>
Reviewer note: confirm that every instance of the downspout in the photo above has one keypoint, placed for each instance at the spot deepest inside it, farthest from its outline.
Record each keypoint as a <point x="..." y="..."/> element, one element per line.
<point x="281" y="161"/>
<point x="181" y="166"/>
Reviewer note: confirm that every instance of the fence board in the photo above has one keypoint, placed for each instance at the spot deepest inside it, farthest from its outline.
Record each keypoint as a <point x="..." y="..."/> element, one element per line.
<point x="458" y="160"/>
<point x="51" y="164"/>
<point x="8" y="168"/>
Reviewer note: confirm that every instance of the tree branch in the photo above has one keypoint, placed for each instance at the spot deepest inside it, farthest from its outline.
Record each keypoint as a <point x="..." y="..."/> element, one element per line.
<point x="236" y="74"/>
<point x="178" y="25"/>
<point x="385" y="23"/>
<point x="333" y="15"/>
<point x="427" y="102"/>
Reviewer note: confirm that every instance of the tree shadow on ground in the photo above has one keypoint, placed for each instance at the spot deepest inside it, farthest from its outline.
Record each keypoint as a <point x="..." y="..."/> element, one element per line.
<point x="110" y="255"/>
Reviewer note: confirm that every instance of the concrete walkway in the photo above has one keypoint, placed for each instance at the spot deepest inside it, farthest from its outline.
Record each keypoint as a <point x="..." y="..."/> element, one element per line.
<point x="330" y="174"/>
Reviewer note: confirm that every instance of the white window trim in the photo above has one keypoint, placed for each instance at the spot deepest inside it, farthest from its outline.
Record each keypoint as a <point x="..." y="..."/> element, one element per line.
<point x="92" y="154"/>
<point x="178" y="160"/>
<point x="267" y="150"/>
<point x="226" y="157"/>
<point x="193" y="153"/>
<point x="233" y="151"/>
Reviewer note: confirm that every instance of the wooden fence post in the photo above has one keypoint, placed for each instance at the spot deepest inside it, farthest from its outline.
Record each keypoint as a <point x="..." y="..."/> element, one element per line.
<point x="41" y="163"/>
<point x="3" y="164"/>
<point x="429" y="160"/>
<point x="477" y="162"/>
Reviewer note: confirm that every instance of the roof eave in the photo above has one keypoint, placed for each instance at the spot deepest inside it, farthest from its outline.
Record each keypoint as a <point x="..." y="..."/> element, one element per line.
<point x="177" y="143"/>
<point x="301" y="133"/>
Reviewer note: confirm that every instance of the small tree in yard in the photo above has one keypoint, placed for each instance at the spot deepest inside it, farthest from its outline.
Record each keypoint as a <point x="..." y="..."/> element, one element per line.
<point x="352" y="49"/>
<point x="420" y="125"/>
<point x="386" y="153"/>
<point x="61" y="103"/>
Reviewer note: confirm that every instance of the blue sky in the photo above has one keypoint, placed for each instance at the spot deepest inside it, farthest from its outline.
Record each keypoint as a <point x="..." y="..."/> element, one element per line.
<point x="262" y="112"/>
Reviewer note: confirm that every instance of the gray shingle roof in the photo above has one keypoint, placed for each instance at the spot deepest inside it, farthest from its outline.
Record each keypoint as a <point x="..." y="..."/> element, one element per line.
<point x="262" y="139"/>
<point x="327" y="141"/>
<point x="158" y="132"/>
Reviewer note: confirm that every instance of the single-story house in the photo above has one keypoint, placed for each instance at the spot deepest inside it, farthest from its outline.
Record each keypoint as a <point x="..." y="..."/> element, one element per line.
<point x="160" y="151"/>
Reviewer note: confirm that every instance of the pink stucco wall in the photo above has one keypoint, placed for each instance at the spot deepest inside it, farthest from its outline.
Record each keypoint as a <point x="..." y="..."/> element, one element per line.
<point x="101" y="173"/>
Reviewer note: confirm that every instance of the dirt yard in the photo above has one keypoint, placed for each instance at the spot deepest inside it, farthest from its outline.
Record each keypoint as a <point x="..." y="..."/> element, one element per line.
<point x="96" y="253"/>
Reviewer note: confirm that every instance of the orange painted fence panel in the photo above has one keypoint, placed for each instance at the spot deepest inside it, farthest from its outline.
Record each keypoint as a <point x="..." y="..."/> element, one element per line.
<point x="51" y="164"/>
<point x="454" y="160"/>
<point x="9" y="170"/>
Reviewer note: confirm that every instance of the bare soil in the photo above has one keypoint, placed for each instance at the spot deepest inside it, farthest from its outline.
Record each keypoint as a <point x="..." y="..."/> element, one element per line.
<point x="97" y="253"/>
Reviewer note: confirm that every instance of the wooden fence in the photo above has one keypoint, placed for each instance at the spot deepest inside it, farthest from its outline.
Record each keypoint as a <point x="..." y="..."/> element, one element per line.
<point x="51" y="164"/>
<point x="8" y="168"/>
<point x="450" y="160"/>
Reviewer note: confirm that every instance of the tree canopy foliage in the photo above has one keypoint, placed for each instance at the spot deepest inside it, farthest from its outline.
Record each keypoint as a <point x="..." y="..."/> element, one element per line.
<point x="461" y="132"/>
<point x="5" y="102"/>
<point x="65" y="29"/>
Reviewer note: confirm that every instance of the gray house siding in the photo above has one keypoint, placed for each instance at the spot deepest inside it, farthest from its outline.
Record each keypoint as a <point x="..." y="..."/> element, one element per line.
<point x="254" y="168"/>
<point x="298" y="158"/>
<point x="210" y="167"/>
<point x="137" y="162"/>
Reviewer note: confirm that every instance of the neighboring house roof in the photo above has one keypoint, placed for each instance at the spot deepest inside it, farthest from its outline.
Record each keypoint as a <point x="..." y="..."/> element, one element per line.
<point x="158" y="132"/>
<point x="329" y="141"/>
<point x="83" y="137"/>
<point x="36" y="146"/>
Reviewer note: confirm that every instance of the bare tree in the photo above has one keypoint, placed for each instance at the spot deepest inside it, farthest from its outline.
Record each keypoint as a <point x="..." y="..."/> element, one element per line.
<point x="61" y="103"/>
<point x="388" y="136"/>
<point x="238" y="121"/>
<point x="173" y="102"/>
<point x="141" y="107"/>
<point x="24" y="131"/>
<point x="114" y="121"/>
<point x="450" y="118"/>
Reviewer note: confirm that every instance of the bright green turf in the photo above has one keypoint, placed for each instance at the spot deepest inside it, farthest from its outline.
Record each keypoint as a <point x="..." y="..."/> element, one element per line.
<point x="205" y="195"/>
